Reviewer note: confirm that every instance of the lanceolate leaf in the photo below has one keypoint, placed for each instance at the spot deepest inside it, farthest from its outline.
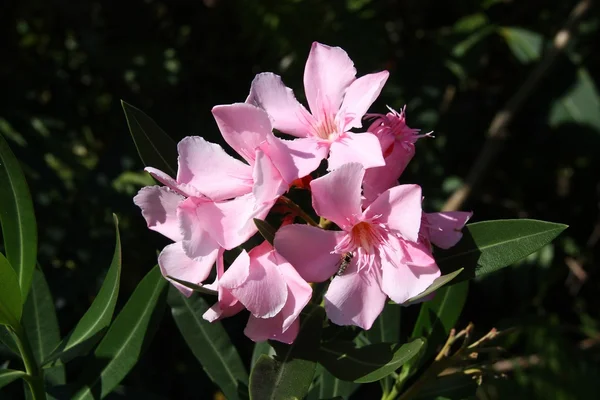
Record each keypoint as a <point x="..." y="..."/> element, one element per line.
<point x="368" y="363"/>
<point x="265" y="229"/>
<point x="437" y="283"/>
<point x="385" y="329"/>
<point x="290" y="373"/>
<point x="9" y="375"/>
<point x="580" y="105"/>
<point x="260" y="348"/>
<point x="330" y="386"/>
<point x="126" y="339"/>
<point x="95" y="321"/>
<point x="524" y="44"/>
<point x="41" y="325"/>
<point x="18" y="220"/>
<point x="209" y="342"/>
<point x="11" y="305"/>
<point x="155" y="147"/>
<point x="491" y="245"/>
<point x="438" y="316"/>
<point x="8" y="340"/>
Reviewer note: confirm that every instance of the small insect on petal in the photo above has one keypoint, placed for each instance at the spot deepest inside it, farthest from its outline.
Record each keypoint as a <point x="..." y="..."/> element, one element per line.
<point x="344" y="262"/>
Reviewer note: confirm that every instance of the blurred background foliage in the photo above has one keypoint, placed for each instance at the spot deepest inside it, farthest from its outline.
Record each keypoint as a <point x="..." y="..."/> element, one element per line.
<point x="65" y="66"/>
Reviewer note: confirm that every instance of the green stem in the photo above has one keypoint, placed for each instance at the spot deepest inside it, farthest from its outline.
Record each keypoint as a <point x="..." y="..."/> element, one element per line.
<point x="35" y="375"/>
<point x="299" y="211"/>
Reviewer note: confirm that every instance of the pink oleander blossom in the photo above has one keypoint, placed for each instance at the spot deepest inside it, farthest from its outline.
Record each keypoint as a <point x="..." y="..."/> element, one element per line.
<point x="264" y="283"/>
<point x="337" y="101"/>
<point x="388" y="258"/>
<point x="214" y="198"/>
<point x="397" y="142"/>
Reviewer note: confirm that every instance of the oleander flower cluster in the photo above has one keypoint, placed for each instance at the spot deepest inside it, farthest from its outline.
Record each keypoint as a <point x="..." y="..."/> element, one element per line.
<point x="372" y="240"/>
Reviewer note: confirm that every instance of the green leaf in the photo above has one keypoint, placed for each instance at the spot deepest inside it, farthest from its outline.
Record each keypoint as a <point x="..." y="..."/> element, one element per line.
<point x="193" y="286"/>
<point x="155" y="147"/>
<point x="18" y="219"/>
<point x="266" y="230"/>
<point x="437" y="283"/>
<point x="11" y="305"/>
<point x="491" y="245"/>
<point x="126" y="339"/>
<point x="438" y="316"/>
<point x="8" y="340"/>
<point x="368" y="363"/>
<point x="524" y="44"/>
<point x="581" y="104"/>
<point x="9" y="375"/>
<point x="261" y="348"/>
<point x="386" y="329"/>
<point x="290" y="374"/>
<point x="209" y="342"/>
<point x="41" y="325"/>
<point x="96" y="320"/>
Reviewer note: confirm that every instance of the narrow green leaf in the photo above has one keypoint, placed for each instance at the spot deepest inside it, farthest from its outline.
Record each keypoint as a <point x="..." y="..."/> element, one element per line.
<point x="9" y="375"/>
<point x="11" y="305"/>
<point x="438" y="316"/>
<point x="126" y="339"/>
<point x="209" y="342"/>
<point x="41" y="325"/>
<point x="155" y="147"/>
<point x="193" y="286"/>
<point x="290" y="374"/>
<point x="95" y="321"/>
<point x="8" y="340"/>
<point x="581" y="104"/>
<point x="386" y="329"/>
<point x="524" y="44"/>
<point x="265" y="229"/>
<point x="437" y="283"/>
<point x="17" y="218"/>
<point x="492" y="245"/>
<point x="368" y="363"/>
<point x="261" y="348"/>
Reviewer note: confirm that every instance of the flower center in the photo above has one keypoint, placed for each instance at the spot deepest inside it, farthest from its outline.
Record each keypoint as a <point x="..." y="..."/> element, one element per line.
<point x="327" y="128"/>
<point x="364" y="241"/>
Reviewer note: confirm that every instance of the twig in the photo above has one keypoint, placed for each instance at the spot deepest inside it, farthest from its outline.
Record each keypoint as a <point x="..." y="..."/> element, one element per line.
<point x="497" y="131"/>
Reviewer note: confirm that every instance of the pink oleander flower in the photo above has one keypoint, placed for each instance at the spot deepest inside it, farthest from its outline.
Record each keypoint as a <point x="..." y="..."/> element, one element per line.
<point x="397" y="142"/>
<point x="337" y="102"/>
<point x="264" y="283"/>
<point x="387" y="257"/>
<point x="443" y="229"/>
<point x="214" y="198"/>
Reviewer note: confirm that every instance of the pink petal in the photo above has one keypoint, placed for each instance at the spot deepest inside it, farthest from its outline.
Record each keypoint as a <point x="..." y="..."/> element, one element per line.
<point x="174" y="262"/>
<point x="308" y="250"/>
<point x="336" y="196"/>
<point x="445" y="227"/>
<point x="208" y="168"/>
<point x="400" y="209"/>
<point x="264" y="292"/>
<point x="268" y="183"/>
<point x="362" y="148"/>
<point x="243" y="126"/>
<point x="287" y="114"/>
<point x="401" y="281"/>
<point x="217" y="312"/>
<point x="355" y="298"/>
<point x="328" y="73"/>
<point x="231" y="222"/>
<point x="197" y="243"/>
<point x="237" y="274"/>
<point x="379" y="179"/>
<point x="181" y="188"/>
<point x="159" y="208"/>
<point x="227" y="305"/>
<point x="262" y="329"/>
<point x="299" y="292"/>
<point x="295" y="158"/>
<point x="360" y="95"/>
